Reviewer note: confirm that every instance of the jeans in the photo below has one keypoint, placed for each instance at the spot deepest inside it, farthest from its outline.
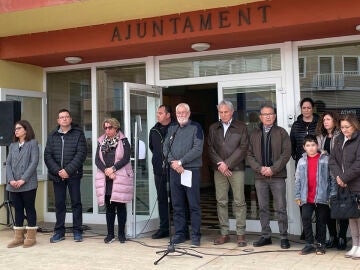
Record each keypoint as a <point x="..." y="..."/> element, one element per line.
<point x="222" y="185"/>
<point x="277" y="186"/>
<point x="24" y="200"/>
<point x="322" y="215"/>
<point x="162" y="196"/>
<point x="179" y="194"/>
<point x="73" y="184"/>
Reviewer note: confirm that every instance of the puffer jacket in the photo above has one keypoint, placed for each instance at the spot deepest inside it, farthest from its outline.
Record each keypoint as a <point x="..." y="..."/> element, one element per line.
<point x="345" y="161"/>
<point x="123" y="184"/>
<point x="65" y="151"/>
<point x="325" y="183"/>
<point x="232" y="149"/>
<point x="280" y="150"/>
<point x="298" y="131"/>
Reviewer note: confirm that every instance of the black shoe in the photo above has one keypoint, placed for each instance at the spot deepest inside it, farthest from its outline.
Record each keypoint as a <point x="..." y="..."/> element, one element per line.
<point x="122" y="238"/>
<point x="341" y="243"/>
<point x="309" y="248"/>
<point x="262" y="242"/>
<point x="160" y="234"/>
<point x="109" y="239"/>
<point x="284" y="243"/>
<point x="320" y="249"/>
<point x="177" y="239"/>
<point x="332" y="242"/>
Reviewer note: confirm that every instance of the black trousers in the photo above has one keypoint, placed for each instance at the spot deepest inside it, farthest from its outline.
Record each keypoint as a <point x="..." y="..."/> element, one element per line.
<point x="322" y="214"/>
<point x="73" y="184"/>
<point x="113" y="208"/>
<point x="24" y="200"/>
<point x="162" y="196"/>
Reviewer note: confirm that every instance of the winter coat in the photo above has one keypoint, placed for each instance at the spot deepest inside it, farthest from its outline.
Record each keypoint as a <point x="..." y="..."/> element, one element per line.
<point x="65" y="151"/>
<point x="345" y="162"/>
<point x="280" y="151"/>
<point x="325" y="184"/>
<point x="321" y="140"/>
<point x="298" y="131"/>
<point x="232" y="148"/>
<point x="22" y="165"/>
<point x="156" y="140"/>
<point x="186" y="144"/>
<point x="123" y="184"/>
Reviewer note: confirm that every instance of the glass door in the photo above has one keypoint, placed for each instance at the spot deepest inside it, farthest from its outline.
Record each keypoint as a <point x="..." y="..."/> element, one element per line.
<point x="140" y="106"/>
<point x="247" y="97"/>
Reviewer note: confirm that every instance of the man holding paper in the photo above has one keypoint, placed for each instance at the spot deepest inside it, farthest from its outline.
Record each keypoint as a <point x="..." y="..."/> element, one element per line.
<point x="183" y="149"/>
<point x="228" y="144"/>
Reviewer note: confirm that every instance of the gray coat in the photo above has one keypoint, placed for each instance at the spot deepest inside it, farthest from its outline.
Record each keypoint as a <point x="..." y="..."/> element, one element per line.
<point x="22" y="165"/>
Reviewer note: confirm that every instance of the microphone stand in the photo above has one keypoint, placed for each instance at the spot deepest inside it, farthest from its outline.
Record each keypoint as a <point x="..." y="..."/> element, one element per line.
<point x="171" y="247"/>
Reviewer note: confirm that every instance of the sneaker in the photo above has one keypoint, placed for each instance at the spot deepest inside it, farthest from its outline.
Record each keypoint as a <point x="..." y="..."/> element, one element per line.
<point x="262" y="242"/>
<point x="195" y="243"/>
<point x="57" y="237"/>
<point x="320" y="249"/>
<point x="109" y="239"/>
<point x="78" y="237"/>
<point x="284" y="243"/>
<point x="178" y="239"/>
<point x="309" y="248"/>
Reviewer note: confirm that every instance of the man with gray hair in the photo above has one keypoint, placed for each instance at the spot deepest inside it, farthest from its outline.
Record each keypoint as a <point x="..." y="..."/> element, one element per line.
<point x="183" y="148"/>
<point x="228" y="144"/>
<point x="269" y="152"/>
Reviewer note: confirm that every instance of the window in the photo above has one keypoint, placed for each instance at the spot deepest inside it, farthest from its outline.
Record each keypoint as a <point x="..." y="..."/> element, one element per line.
<point x="302" y="67"/>
<point x="351" y="65"/>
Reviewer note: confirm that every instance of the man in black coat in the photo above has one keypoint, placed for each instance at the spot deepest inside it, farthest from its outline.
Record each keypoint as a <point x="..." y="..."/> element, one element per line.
<point x="156" y="140"/>
<point x="64" y="155"/>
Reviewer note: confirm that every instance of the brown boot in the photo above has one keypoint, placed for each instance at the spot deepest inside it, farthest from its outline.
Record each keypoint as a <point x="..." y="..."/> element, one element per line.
<point x="18" y="237"/>
<point x="30" y="236"/>
<point x="222" y="240"/>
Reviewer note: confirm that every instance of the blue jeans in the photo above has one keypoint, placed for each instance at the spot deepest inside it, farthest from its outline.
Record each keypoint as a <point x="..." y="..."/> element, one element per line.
<point x="60" y="204"/>
<point x="179" y="194"/>
<point x="24" y="200"/>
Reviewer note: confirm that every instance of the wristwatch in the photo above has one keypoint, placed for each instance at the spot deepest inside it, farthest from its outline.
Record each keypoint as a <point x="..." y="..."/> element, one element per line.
<point x="114" y="169"/>
<point x="179" y="162"/>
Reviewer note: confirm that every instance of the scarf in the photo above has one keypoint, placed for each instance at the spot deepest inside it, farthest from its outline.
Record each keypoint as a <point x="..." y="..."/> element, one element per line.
<point x="109" y="143"/>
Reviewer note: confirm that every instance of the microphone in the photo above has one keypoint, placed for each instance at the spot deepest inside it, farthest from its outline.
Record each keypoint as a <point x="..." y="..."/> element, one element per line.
<point x="172" y="136"/>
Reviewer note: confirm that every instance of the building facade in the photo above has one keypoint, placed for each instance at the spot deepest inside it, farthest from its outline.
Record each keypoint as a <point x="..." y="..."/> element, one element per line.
<point x="246" y="51"/>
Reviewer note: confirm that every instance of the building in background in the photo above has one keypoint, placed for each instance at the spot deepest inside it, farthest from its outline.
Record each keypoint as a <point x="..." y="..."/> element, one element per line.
<point x="114" y="59"/>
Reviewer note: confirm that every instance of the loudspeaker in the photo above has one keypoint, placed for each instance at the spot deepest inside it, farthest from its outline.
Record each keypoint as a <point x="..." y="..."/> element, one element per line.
<point x="10" y="113"/>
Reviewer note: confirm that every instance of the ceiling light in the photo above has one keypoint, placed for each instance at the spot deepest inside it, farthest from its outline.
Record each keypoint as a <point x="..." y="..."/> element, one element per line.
<point x="199" y="47"/>
<point x="73" y="59"/>
<point x="357" y="27"/>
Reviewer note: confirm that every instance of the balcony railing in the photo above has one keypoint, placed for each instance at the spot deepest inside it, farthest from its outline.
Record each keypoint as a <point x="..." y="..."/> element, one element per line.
<point x="328" y="80"/>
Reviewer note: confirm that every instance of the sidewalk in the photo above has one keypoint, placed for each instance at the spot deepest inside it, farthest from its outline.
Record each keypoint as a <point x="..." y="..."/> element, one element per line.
<point x="140" y="253"/>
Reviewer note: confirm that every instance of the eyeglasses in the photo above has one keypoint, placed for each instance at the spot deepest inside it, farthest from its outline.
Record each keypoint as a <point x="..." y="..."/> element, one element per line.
<point x="108" y="127"/>
<point x="64" y="117"/>
<point x="267" y="114"/>
<point x="18" y="128"/>
<point x="345" y="127"/>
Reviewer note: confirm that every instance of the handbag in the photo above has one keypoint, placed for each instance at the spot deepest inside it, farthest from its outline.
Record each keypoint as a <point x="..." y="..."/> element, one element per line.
<point x="344" y="205"/>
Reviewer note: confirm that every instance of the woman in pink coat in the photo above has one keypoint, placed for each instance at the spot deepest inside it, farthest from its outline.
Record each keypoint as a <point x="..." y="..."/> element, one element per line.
<point x="114" y="177"/>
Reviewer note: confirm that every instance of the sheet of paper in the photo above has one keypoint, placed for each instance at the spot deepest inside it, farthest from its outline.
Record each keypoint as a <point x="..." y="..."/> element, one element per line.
<point x="186" y="177"/>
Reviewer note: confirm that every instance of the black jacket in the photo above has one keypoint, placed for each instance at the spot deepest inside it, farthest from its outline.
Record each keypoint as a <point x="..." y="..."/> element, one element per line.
<point x="298" y="131"/>
<point x="345" y="161"/>
<point x="156" y="140"/>
<point x="65" y="151"/>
